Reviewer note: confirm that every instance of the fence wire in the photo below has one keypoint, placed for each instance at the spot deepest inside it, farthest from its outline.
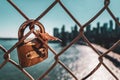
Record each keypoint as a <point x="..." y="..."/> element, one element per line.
<point x="81" y="35"/>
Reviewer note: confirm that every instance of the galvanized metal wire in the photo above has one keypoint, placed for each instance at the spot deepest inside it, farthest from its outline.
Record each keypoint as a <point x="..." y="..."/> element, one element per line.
<point x="7" y="53"/>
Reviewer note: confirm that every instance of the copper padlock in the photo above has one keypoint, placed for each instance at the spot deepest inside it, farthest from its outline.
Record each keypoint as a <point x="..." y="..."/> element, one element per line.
<point x="31" y="51"/>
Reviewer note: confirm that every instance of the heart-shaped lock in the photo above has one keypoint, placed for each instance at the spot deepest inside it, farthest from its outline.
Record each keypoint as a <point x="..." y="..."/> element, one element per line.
<point x="31" y="51"/>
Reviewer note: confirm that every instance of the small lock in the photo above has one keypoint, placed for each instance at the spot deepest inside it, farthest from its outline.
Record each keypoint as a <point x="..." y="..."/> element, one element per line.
<point x="31" y="51"/>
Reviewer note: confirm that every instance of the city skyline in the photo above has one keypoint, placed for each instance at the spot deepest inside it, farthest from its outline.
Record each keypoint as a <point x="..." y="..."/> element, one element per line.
<point x="105" y="35"/>
<point x="11" y="20"/>
<point x="110" y="25"/>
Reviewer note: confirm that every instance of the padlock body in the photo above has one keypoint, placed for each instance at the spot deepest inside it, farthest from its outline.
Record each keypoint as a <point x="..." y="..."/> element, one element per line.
<point x="32" y="52"/>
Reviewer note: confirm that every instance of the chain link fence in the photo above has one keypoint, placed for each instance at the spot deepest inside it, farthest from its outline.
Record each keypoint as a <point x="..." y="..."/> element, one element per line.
<point x="81" y="35"/>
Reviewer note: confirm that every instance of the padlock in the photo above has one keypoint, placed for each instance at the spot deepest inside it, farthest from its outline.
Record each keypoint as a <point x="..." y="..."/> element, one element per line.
<point x="31" y="51"/>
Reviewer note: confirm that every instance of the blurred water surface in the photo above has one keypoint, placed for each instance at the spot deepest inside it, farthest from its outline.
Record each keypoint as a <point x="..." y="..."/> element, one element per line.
<point x="80" y="59"/>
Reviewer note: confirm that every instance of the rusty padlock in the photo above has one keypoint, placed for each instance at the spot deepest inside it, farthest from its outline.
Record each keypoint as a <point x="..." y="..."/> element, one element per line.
<point x="31" y="51"/>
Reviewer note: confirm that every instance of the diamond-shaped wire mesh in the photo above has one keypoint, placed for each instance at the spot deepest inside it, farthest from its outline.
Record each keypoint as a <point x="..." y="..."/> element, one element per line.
<point x="58" y="62"/>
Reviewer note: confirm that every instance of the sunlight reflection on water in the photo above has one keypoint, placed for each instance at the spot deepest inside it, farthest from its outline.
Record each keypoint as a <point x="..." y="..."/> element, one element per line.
<point x="80" y="59"/>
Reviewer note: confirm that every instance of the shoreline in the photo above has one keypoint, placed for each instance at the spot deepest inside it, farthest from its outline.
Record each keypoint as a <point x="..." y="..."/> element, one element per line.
<point x="88" y="61"/>
<point x="111" y="56"/>
<point x="8" y="38"/>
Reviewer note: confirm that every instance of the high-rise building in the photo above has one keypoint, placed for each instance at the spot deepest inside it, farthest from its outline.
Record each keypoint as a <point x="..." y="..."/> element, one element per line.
<point x="88" y="28"/>
<point x="56" y="32"/>
<point x="111" y="25"/>
<point x="63" y="28"/>
<point x="98" y="28"/>
<point x="116" y="25"/>
<point x="117" y="28"/>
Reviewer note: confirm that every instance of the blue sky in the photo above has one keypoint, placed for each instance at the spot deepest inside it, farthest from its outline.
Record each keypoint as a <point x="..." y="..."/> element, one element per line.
<point x="83" y="10"/>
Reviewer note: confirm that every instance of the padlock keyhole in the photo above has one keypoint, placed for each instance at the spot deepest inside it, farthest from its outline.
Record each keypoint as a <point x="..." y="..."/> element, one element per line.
<point x="42" y="52"/>
<point x="28" y="55"/>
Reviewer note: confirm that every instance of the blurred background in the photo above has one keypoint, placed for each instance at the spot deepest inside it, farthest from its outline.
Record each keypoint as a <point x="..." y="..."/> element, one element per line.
<point x="103" y="32"/>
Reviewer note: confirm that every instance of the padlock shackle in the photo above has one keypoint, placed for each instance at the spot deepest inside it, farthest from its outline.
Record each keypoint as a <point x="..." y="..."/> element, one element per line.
<point x="28" y="23"/>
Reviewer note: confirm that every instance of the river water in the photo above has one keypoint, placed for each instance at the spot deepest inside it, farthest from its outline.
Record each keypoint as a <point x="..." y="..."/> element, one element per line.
<point x="80" y="59"/>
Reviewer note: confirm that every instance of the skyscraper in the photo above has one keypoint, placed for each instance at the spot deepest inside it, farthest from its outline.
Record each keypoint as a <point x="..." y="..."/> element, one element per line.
<point x="56" y="32"/>
<point x="111" y="25"/>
